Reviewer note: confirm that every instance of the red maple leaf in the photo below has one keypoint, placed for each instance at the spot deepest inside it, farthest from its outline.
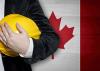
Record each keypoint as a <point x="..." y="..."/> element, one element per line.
<point x="65" y="34"/>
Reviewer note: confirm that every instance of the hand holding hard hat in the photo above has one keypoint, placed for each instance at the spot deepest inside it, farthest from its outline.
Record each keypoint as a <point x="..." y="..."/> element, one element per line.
<point x="26" y="28"/>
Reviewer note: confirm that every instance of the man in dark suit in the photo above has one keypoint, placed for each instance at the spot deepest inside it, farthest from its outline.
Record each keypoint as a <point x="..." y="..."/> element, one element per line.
<point x="43" y="47"/>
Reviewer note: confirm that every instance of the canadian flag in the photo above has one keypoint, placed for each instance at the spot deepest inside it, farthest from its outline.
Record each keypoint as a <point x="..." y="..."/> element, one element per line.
<point x="76" y="22"/>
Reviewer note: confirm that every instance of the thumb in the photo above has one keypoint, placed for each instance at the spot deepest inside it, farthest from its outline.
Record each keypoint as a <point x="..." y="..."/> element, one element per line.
<point x="20" y="29"/>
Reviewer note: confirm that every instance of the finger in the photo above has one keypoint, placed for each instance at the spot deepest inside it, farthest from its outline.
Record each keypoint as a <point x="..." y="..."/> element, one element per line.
<point x="4" y="31"/>
<point x="20" y="29"/>
<point x="8" y="29"/>
<point x="2" y="41"/>
<point x="2" y="37"/>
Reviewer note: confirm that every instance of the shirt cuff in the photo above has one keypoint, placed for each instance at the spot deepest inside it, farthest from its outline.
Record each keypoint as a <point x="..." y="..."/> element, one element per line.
<point x="29" y="52"/>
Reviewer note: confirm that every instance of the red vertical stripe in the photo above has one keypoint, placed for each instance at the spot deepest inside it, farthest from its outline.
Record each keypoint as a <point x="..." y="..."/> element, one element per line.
<point x="90" y="35"/>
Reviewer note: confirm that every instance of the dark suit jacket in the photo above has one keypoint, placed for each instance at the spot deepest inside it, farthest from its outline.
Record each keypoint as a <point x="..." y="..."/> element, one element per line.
<point x="47" y="44"/>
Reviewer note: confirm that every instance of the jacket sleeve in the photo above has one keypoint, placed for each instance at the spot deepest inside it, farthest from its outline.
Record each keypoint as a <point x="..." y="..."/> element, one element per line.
<point x="47" y="44"/>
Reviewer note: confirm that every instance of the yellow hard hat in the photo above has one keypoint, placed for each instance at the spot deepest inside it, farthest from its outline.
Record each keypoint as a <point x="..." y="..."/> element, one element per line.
<point x="29" y="26"/>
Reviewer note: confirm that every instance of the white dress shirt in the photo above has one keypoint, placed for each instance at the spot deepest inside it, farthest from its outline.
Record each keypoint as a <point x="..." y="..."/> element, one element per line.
<point x="29" y="52"/>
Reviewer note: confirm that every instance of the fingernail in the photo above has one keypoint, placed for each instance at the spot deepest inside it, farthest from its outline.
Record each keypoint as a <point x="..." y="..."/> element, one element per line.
<point x="17" y="23"/>
<point x="5" y="23"/>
